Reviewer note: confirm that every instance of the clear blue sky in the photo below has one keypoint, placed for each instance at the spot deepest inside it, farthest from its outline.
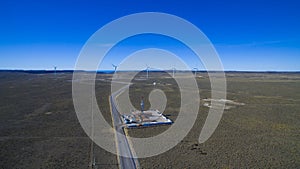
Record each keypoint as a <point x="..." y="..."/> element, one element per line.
<point x="248" y="35"/>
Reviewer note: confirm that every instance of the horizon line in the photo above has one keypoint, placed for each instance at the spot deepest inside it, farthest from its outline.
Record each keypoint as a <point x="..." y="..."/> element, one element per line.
<point x="112" y="71"/>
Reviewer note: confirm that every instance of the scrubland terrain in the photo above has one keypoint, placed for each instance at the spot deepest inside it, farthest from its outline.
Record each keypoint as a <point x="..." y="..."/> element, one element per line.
<point x="39" y="126"/>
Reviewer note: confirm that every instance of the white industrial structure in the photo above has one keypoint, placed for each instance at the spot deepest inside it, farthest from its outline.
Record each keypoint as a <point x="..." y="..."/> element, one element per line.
<point x="145" y="118"/>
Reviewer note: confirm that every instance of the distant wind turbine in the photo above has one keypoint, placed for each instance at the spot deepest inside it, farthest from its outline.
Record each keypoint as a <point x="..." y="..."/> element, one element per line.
<point x="174" y="69"/>
<point x="147" y="70"/>
<point x="196" y="70"/>
<point x="115" y="67"/>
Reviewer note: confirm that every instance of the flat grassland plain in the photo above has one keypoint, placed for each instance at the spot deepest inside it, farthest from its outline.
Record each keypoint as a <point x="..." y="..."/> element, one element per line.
<point x="39" y="127"/>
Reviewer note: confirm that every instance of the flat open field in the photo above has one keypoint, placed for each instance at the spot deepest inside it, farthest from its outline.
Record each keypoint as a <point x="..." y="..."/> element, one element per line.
<point x="263" y="132"/>
<point x="39" y="127"/>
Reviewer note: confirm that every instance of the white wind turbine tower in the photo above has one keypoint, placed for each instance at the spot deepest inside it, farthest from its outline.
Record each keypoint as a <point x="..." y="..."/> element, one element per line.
<point x="174" y="69"/>
<point x="147" y="70"/>
<point x="115" y="67"/>
<point x="196" y="70"/>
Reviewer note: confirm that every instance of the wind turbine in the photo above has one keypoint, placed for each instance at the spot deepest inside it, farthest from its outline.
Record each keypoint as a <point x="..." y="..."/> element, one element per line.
<point x="196" y="70"/>
<point x="115" y="67"/>
<point x="174" y="69"/>
<point x="147" y="70"/>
